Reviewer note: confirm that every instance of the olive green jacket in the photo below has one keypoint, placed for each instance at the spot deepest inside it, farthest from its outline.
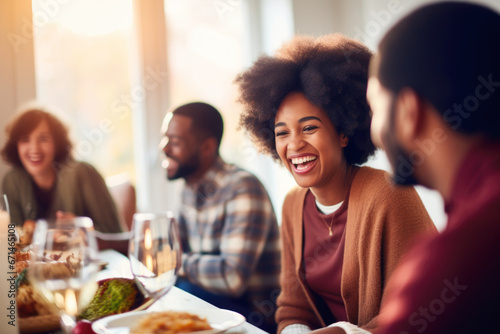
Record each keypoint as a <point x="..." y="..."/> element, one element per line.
<point x="80" y="189"/>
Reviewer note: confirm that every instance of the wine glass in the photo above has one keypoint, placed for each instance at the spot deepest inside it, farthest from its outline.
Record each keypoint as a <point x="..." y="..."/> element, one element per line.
<point x="155" y="252"/>
<point x="4" y="214"/>
<point x="4" y="204"/>
<point x="64" y="265"/>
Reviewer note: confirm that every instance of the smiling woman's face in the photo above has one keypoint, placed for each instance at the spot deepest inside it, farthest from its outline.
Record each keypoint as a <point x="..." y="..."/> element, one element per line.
<point x="37" y="150"/>
<point x="307" y="142"/>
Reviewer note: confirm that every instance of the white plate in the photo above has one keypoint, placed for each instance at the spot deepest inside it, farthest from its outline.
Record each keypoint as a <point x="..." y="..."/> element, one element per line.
<point x="220" y="320"/>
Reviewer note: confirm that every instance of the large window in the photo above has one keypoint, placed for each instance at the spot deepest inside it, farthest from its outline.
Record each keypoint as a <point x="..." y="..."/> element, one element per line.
<point x="92" y="59"/>
<point x="209" y="43"/>
<point x="82" y="51"/>
<point x="206" y="49"/>
<point x="86" y="70"/>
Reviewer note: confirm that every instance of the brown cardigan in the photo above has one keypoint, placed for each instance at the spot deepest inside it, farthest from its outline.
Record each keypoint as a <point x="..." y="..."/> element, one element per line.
<point x="382" y="223"/>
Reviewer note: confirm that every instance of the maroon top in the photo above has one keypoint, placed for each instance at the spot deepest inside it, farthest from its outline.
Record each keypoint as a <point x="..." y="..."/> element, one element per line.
<point x="324" y="254"/>
<point x="450" y="283"/>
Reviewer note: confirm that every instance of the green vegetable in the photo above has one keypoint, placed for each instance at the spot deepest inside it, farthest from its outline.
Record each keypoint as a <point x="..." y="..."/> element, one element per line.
<point x="113" y="296"/>
<point x="22" y="278"/>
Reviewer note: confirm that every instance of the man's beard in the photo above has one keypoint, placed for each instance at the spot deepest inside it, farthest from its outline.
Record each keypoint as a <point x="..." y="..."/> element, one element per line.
<point x="185" y="169"/>
<point x="402" y="166"/>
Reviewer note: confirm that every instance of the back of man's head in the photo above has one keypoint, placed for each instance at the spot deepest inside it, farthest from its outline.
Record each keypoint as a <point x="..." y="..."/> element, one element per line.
<point x="206" y="120"/>
<point x="449" y="54"/>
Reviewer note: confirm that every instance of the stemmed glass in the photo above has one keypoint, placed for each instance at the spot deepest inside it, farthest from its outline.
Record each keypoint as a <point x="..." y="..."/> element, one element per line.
<point x="64" y="265"/>
<point x="155" y="253"/>
<point x="4" y="213"/>
<point x="4" y="204"/>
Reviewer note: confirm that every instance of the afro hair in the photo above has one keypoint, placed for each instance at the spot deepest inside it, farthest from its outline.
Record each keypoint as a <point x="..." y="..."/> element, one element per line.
<point x="331" y="71"/>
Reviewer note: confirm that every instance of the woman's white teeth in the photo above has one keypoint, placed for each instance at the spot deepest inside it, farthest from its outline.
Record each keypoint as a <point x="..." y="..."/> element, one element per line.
<point x="301" y="160"/>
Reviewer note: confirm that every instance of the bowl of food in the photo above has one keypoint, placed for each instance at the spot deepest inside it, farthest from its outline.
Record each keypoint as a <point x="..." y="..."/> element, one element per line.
<point x="172" y="321"/>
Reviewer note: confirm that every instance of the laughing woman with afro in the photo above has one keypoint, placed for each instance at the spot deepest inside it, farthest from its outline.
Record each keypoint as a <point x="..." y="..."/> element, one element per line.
<point x="346" y="226"/>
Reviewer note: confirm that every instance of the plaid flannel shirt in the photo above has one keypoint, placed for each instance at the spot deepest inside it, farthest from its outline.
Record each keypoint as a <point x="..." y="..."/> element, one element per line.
<point x="230" y="236"/>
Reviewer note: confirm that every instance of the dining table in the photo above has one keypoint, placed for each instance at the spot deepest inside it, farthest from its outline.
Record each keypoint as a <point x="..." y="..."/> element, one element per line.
<point x="118" y="265"/>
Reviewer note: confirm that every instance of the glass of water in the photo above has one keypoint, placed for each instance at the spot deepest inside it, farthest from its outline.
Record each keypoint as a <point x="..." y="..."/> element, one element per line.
<point x="155" y="252"/>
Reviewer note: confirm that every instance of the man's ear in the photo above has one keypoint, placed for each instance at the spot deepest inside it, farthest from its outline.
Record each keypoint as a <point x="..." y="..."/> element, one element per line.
<point x="209" y="147"/>
<point x="409" y="116"/>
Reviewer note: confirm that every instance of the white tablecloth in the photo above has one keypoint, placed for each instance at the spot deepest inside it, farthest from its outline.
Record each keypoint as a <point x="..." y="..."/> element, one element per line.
<point x="176" y="299"/>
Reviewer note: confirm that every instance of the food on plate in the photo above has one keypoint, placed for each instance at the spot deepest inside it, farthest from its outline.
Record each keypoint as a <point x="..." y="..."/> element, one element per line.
<point x="170" y="322"/>
<point x="29" y="302"/>
<point x="113" y="296"/>
<point x="23" y="260"/>
<point x="21" y="256"/>
<point x="52" y="264"/>
<point x="26" y="233"/>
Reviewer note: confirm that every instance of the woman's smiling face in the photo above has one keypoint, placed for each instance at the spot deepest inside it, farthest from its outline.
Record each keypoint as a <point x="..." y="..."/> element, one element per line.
<point x="37" y="150"/>
<point x="307" y="142"/>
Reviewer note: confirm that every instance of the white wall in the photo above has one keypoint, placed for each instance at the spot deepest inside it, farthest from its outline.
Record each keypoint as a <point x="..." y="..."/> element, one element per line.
<point x="17" y="85"/>
<point x="367" y="21"/>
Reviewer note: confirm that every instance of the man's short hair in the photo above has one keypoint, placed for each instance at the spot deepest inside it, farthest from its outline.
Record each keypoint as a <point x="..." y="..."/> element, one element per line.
<point x="449" y="53"/>
<point x="206" y="120"/>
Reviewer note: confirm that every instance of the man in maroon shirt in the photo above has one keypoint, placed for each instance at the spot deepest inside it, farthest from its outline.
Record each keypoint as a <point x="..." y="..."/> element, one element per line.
<point x="435" y="95"/>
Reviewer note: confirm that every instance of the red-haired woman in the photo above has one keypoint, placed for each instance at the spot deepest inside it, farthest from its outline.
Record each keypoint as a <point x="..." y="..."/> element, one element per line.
<point x="45" y="181"/>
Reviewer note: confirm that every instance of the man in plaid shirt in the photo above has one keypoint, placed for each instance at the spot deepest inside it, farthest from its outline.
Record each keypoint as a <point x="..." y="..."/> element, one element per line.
<point x="230" y="237"/>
